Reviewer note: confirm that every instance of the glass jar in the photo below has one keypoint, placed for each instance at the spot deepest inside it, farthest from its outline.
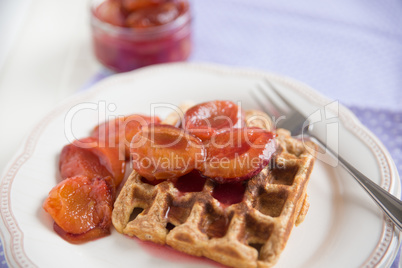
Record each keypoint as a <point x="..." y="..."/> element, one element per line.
<point x="122" y="48"/>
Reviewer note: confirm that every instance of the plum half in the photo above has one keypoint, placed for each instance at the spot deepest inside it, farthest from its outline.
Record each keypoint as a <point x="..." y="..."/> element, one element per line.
<point x="81" y="207"/>
<point x="210" y="118"/>
<point x="76" y="161"/>
<point x="79" y="158"/>
<point x="165" y="152"/>
<point x="120" y="131"/>
<point x="238" y="154"/>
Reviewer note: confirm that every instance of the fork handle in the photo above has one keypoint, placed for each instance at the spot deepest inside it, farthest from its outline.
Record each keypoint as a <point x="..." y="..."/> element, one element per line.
<point x="391" y="205"/>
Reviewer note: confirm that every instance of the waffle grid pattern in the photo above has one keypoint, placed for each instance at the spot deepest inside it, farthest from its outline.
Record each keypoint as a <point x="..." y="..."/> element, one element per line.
<point x="251" y="233"/>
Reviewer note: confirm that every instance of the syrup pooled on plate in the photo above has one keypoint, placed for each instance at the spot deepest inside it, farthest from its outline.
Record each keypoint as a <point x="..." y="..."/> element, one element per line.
<point x="191" y="182"/>
<point x="229" y="193"/>
<point x="172" y="255"/>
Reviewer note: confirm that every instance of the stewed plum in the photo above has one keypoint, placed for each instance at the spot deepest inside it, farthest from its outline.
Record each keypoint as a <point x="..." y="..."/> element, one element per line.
<point x="80" y="204"/>
<point x="76" y="161"/>
<point x="120" y="131"/>
<point x="109" y="157"/>
<point x="238" y="154"/>
<point x="165" y="152"/>
<point x="210" y="118"/>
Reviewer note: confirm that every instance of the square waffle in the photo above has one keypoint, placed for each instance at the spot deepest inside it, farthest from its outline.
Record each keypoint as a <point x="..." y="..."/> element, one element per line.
<point x="251" y="233"/>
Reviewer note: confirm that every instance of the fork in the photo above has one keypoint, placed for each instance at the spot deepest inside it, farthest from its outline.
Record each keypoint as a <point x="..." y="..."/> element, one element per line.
<point x="299" y="125"/>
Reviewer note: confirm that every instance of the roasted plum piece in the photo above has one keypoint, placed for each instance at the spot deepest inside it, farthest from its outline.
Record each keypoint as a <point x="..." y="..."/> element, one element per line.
<point x="120" y="131"/>
<point x="81" y="207"/>
<point x="73" y="161"/>
<point x="210" y="118"/>
<point x="191" y="182"/>
<point x="76" y="161"/>
<point x="238" y="154"/>
<point x="92" y="234"/>
<point x="165" y="152"/>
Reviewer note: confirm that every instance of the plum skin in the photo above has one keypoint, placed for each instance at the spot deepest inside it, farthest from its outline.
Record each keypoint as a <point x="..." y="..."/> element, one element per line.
<point x="210" y="118"/>
<point x="228" y="162"/>
<point x="165" y="152"/>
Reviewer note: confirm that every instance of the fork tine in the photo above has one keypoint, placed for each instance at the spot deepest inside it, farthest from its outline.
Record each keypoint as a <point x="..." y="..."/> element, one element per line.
<point x="257" y="100"/>
<point x="276" y="91"/>
<point x="278" y="109"/>
<point x="262" y="105"/>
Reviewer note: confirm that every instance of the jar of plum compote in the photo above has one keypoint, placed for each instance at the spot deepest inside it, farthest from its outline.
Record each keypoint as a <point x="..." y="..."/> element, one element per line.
<point x="128" y="34"/>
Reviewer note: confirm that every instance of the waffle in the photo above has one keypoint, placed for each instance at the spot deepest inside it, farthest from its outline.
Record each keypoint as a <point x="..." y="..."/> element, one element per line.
<point x="251" y="233"/>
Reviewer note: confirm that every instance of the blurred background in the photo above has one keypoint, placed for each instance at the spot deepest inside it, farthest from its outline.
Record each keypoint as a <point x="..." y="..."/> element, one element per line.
<point x="349" y="50"/>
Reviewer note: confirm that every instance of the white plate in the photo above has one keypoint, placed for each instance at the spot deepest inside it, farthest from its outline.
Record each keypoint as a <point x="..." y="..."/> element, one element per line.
<point x="343" y="228"/>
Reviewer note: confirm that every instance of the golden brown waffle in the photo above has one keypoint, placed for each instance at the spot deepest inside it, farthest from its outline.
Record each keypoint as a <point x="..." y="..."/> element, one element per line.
<point x="251" y="233"/>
